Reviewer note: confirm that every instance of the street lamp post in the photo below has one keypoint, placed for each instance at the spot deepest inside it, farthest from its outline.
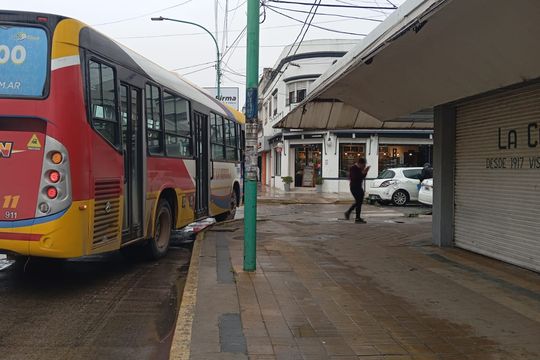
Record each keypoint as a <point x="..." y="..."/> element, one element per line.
<point x="218" y="62"/>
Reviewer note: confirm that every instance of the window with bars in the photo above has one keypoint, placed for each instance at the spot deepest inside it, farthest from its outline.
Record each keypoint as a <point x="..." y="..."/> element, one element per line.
<point x="297" y="92"/>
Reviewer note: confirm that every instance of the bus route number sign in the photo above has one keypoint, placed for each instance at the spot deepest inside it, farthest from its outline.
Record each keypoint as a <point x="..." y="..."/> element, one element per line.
<point x="11" y="202"/>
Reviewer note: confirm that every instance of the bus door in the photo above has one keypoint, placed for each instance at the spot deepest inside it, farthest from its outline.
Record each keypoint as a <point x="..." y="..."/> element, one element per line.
<point x="200" y="123"/>
<point x="133" y="161"/>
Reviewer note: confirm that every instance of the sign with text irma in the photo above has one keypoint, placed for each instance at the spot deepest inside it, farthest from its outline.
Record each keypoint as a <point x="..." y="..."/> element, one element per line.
<point x="519" y="148"/>
<point x="23" y="60"/>
<point x="229" y="95"/>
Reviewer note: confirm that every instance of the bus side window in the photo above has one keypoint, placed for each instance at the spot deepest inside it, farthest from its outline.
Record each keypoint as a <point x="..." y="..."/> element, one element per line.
<point x="153" y="120"/>
<point x="231" y="141"/>
<point x="177" y="126"/>
<point x="216" y="137"/>
<point x="103" y="101"/>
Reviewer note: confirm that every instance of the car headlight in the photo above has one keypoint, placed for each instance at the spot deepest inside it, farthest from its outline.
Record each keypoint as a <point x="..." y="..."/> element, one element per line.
<point x="388" y="183"/>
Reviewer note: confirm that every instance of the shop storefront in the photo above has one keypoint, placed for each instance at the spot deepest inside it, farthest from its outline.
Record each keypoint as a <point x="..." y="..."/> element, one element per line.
<point x="497" y="175"/>
<point x="307" y="164"/>
<point x="348" y="156"/>
<point x="400" y="155"/>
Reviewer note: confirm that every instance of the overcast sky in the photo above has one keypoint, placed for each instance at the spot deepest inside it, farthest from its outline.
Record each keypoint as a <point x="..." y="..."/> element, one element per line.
<point x="181" y="46"/>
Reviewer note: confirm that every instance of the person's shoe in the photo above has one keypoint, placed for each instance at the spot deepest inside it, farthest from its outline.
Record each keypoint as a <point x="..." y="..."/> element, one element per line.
<point x="360" y="221"/>
<point x="347" y="215"/>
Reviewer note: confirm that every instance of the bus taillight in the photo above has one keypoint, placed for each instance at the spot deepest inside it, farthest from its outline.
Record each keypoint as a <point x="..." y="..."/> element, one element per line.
<point x="54" y="176"/>
<point x="56" y="157"/>
<point x="52" y="193"/>
<point x="55" y="187"/>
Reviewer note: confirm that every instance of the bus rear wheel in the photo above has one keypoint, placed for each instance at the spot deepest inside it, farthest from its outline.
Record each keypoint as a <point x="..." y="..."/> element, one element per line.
<point x="159" y="243"/>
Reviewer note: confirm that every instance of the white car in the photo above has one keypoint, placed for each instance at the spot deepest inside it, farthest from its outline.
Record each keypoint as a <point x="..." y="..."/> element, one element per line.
<point x="425" y="195"/>
<point x="397" y="185"/>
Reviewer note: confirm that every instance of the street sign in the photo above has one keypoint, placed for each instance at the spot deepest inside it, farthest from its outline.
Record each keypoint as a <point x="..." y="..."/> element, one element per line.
<point x="229" y="95"/>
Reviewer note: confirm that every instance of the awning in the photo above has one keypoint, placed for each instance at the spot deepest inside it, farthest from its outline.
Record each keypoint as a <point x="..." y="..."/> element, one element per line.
<point x="428" y="52"/>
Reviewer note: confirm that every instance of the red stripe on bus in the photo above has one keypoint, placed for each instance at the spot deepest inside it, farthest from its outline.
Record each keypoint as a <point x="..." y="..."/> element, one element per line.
<point x="17" y="236"/>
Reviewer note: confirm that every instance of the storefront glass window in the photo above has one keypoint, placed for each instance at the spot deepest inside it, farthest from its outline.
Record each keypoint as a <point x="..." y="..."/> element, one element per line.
<point x="348" y="155"/>
<point x="307" y="164"/>
<point x="391" y="156"/>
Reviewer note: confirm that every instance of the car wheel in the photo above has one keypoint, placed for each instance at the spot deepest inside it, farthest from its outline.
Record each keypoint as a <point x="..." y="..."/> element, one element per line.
<point x="159" y="244"/>
<point x="400" y="198"/>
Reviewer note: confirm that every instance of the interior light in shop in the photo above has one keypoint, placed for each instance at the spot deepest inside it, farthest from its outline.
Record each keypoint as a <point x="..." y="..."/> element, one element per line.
<point x="384" y="154"/>
<point x="410" y="154"/>
<point x="346" y="154"/>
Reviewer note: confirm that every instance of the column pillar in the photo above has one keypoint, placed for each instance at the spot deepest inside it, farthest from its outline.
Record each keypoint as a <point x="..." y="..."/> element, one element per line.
<point x="444" y="149"/>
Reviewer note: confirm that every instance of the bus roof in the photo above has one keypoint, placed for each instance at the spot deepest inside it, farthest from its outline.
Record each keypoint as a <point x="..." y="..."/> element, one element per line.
<point x="152" y="70"/>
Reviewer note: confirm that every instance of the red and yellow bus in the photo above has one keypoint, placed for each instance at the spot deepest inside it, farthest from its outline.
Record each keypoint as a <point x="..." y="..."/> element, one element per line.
<point x="100" y="148"/>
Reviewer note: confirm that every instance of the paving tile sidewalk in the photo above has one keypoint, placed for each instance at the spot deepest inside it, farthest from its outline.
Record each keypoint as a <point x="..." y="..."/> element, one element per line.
<point x="325" y="289"/>
<point x="267" y="195"/>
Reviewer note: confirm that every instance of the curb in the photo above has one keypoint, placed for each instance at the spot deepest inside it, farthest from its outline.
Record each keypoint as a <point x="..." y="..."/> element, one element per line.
<point x="181" y="342"/>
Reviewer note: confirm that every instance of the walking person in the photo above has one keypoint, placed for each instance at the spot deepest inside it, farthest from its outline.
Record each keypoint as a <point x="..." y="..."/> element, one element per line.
<point x="357" y="174"/>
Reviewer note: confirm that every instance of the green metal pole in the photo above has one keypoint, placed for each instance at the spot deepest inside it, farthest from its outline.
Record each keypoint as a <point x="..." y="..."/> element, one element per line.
<point x="250" y="188"/>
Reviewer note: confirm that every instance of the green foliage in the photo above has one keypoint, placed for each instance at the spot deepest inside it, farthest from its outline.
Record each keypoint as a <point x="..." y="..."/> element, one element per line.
<point x="287" y="179"/>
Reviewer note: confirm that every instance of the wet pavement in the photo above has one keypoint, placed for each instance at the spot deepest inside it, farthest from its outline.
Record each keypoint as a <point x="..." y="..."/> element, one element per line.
<point x="99" y="307"/>
<point x="326" y="288"/>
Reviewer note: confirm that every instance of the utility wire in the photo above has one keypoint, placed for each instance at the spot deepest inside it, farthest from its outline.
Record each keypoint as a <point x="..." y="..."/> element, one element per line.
<point x="313" y="25"/>
<point x="198" y="70"/>
<point x="203" y="33"/>
<point x="336" y="5"/>
<point x="308" y="25"/>
<point x="232" y="71"/>
<point x="144" y="15"/>
<point x="193" y="66"/>
<point x="234" y="81"/>
<point x="301" y="34"/>
<point x="326" y="14"/>
<point x="238" y="6"/>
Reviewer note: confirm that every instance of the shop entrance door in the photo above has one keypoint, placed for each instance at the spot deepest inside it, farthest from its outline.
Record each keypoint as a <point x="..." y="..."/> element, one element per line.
<point x="307" y="164"/>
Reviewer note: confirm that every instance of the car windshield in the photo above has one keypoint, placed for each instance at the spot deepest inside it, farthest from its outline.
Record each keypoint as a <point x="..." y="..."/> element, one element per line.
<point x="386" y="174"/>
<point x="23" y="61"/>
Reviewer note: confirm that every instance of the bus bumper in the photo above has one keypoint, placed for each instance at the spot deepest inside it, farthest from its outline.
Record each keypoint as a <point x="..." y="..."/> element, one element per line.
<point x="61" y="235"/>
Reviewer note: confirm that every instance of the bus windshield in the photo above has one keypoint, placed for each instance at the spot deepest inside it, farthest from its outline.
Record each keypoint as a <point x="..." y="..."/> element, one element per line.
<point x="23" y="61"/>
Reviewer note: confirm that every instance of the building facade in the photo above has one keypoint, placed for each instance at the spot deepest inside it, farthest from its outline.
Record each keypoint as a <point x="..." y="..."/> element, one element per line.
<point x="307" y="155"/>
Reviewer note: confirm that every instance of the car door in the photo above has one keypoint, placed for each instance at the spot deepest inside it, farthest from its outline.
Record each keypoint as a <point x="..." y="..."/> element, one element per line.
<point x="411" y="180"/>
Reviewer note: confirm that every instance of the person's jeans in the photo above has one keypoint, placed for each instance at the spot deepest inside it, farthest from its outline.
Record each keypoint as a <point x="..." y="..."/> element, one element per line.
<point x="358" y="200"/>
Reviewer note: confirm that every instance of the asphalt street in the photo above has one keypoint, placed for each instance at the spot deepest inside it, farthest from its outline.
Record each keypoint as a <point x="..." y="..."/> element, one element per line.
<point x="100" y="307"/>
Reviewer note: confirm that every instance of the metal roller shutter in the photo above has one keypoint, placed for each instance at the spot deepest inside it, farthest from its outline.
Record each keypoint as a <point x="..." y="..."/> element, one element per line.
<point x="497" y="208"/>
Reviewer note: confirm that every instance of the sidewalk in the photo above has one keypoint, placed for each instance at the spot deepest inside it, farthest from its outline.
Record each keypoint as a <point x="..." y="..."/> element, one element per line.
<point x="330" y="289"/>
<point x="268" y="195"/>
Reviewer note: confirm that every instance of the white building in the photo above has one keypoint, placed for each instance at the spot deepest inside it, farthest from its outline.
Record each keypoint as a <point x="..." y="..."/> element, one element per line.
<point x="483" y="81"/>
<point x="305" y="155"/>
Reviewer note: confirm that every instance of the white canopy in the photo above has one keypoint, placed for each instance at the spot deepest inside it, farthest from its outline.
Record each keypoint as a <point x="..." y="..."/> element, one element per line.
<point x="428" y="52"/>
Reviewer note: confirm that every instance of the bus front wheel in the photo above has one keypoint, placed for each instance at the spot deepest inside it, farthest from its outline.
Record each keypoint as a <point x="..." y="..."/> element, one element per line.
<point x="159" y="244"/>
